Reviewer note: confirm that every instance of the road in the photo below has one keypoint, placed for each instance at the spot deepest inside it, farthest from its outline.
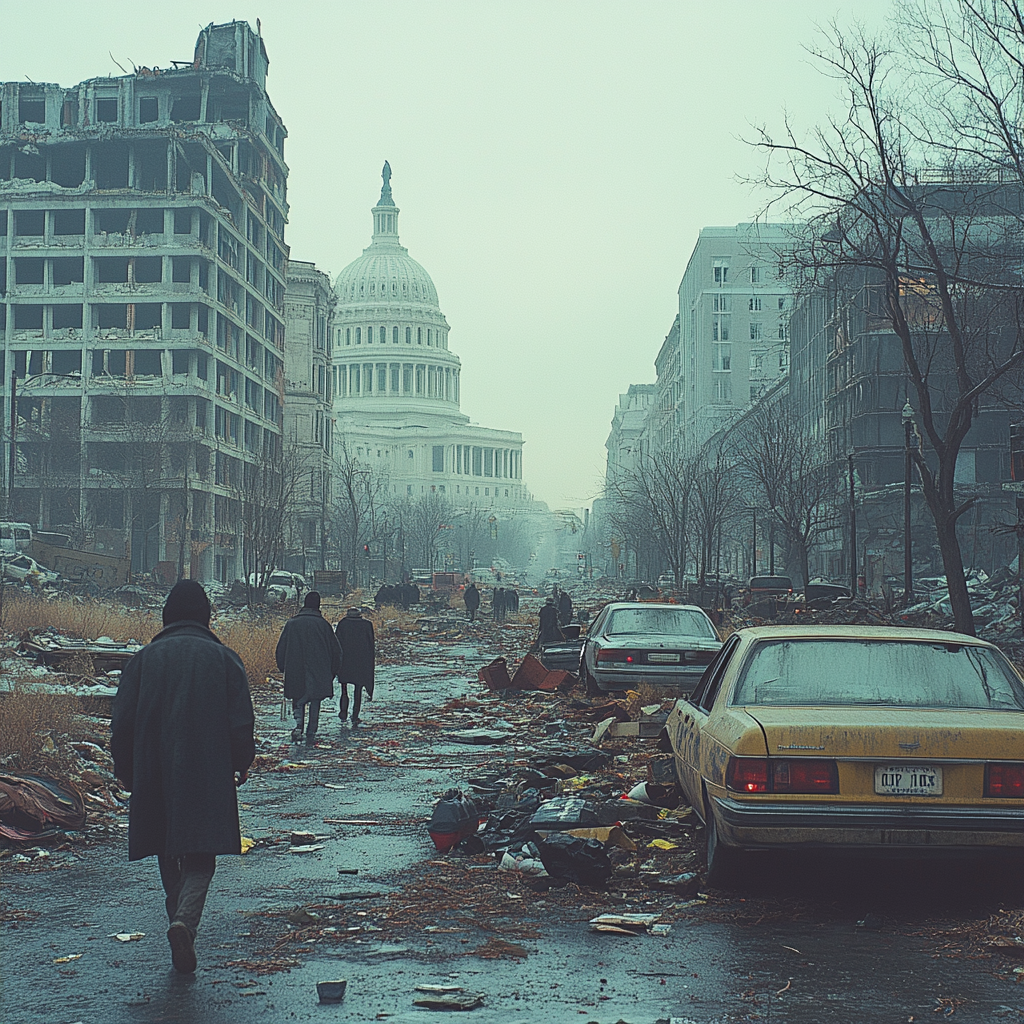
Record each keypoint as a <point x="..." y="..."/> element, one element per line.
<point x="785" y="949"/>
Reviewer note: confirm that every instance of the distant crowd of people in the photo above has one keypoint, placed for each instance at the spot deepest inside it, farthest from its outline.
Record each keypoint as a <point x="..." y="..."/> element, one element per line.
<point x="397" y="595"/>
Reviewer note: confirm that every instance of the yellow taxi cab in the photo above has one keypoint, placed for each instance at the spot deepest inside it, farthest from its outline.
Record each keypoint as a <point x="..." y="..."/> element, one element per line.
<point x="868" y="738"/>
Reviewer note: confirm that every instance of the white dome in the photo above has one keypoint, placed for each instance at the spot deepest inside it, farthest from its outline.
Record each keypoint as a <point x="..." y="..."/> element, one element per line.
<point x="385" y="275"/>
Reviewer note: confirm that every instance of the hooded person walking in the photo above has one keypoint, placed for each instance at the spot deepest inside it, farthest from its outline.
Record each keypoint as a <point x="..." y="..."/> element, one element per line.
<point x="309" y="656"/>
<point x="355" y="634"/>
<point x="471" y="598"/>
<point x="182" y="741"/>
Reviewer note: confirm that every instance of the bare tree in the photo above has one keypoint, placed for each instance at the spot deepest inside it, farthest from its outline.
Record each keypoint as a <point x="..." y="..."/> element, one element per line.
<point x="914" y="197"/>
<point x="793" y="482"/>
<point x="714" y="500"/>
<point x="425" y="517"/>
<point x="361" y="502"/>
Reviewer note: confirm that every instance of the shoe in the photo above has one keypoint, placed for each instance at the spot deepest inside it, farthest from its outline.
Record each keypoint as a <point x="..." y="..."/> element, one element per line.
<point x="296" y="735"/>
<point x="183" y="950"/>
<point x="310" y="741"/>
<point x="355" y="721"/>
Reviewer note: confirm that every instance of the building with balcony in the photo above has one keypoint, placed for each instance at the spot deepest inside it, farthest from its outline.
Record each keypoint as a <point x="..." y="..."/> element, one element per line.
<point x="142" y="281"/>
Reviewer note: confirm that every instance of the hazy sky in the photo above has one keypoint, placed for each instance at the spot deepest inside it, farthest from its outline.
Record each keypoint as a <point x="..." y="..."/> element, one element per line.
<point x="553" y="162"/>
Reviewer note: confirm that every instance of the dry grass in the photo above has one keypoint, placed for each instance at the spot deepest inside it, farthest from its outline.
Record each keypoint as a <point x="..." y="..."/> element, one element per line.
<point x="33" y="729"/>
<point x="254" y="638"/>
<point x="81" y="618"/>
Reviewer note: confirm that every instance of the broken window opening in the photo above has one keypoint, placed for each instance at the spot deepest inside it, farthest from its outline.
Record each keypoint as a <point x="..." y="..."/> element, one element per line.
<point x="106" y="110"/>
<point x="147" y="363"/>
<point x="151" y="167"/>
<point x="28" y="318"/>
<point x="111" y="269"/>
<point x="67" y="362"/>
<point x="186" y="107"/>
<point x="147" y="269"/>
<point x="111" y="222"/>
<point x="149" y="109"/>
<point x="148" y="316"/>
<point x="181" y="316"/>
<point x="67" y="270"/>
<point x="110" y="165"/>
<point x="29" y="223"/>
<point x="31" y="109"/>
<point x="67" y="166"/>
<point x="149" y="222"/>
<point x="29" y="163"/>
<point x="67" y="316"/>
<point x="69" y="222"/>
<point x="183" y="222"/>
<point x="28" y="270"/>
<point x="110" y="315"/>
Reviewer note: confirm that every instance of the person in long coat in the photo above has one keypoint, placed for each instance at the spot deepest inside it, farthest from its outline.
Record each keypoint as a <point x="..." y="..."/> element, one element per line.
<point x="309" y="656"/>
<point x="549" y="632"/>
<point x="182" y="741"/>
<point x="564" y="609"/>
<point x="471" y="598"/>
<point x="498" y="604"/>
<point x="355" y="634"/>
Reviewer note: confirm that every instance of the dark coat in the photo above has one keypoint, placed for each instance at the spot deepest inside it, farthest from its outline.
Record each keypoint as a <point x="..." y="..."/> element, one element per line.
<point x="355" y="634"/>
<point x="549" y="631"/>
<point x="564" y="609"/>
<point x="309" y="656"/>
<point x="471" y="598"/>
<point x="182" y="726"/>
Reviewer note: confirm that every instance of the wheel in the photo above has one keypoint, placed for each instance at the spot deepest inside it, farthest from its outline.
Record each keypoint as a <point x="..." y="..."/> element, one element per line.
<point x="722" y="862"/>
<point x="589" y="685"/>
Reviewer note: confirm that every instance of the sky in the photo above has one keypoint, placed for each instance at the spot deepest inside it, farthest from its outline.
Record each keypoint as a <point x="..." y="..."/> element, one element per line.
<point x="553" y="161"/>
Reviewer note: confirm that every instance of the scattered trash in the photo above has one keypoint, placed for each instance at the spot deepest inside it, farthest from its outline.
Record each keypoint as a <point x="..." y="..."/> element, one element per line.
<point x="623" y="924"/>
<point x="331" y="991"/>
<point x="662" y="844"/>
<point x="583" y="861"/>
<point x="127" y="936"/>
<point x="682" y="885"/>
<point x="468" y="1001"/>
<point x="1008" y="946"/>
<point x="477" y="737"/>
<point x="247" y="844"/>
<point x="661" y="929"/>
<point x="454" y="818"/>
<point x="67" y="959"/>
<point x="312" y="848"/>
<point x="870" y="923"/>
<point x="34" y="806"/>
<point x="439" y="989"/>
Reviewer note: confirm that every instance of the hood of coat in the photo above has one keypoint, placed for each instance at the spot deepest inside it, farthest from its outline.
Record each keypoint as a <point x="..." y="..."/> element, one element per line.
<point x="187" y="627"/>
<point x="315" y="612"/>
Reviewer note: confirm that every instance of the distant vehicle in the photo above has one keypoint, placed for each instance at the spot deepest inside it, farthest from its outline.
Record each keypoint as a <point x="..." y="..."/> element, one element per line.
<point x="667" y="579"/>
<point x="281" y="586"/>
<point x="819" y="595"/>
<point x="634" y="642"/>
<point x="421" y="577"/>
<point x="26" y="570"/>
<point x="760" y="587"/>
<point x="15" y="537"/>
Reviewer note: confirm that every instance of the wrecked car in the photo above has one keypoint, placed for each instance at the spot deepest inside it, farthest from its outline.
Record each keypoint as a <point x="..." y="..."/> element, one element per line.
<point x="855" y="737"/>
<point x="634" y="642"/>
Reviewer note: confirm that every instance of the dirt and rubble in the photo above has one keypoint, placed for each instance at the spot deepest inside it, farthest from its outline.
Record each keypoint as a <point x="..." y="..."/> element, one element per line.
<point x="340" y="873"/>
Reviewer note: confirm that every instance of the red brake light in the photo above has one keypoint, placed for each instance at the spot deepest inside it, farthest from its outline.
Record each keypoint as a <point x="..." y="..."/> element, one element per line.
<point x="1004" y="780"/>
<point x="747" y="775"/>
<point x="805" y="775"/>
<point x="775" y="775"/>
<point x="616" y="655"/>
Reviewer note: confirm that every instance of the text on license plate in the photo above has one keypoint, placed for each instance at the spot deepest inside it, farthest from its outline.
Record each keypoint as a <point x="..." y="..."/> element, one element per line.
<point x="662" y="659"/>
<point x="908" y="780"/>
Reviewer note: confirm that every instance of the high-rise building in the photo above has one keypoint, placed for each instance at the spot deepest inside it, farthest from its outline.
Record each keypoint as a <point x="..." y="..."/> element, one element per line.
<point x="142" y="277"/>
<point x="397" y="383"/>
<point x="734" y="303"/>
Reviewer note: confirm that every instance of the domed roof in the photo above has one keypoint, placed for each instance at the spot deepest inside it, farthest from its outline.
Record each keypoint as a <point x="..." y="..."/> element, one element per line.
<point x="386" y="273"/>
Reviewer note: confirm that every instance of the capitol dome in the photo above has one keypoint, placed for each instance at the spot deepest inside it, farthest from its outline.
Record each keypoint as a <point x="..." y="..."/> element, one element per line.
<point x="387" y="300"/>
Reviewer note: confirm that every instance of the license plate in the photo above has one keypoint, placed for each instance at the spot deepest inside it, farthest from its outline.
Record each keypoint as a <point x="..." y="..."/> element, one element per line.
<point x="908" y="780"/>
<point x="662" y="659"/>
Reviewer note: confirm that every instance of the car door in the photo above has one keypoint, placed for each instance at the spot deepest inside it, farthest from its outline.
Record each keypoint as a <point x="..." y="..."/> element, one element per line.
<point x="587" y="653"/>
<point x="688" y="718"/>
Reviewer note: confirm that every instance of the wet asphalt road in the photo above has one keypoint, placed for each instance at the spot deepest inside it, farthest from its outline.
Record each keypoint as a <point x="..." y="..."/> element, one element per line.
<point x="797" y="957"/>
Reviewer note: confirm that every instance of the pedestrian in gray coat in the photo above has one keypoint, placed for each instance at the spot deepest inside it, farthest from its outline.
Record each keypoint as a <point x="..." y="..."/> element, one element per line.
<point x="182" y="740"/>
<point x="309" y="656"/>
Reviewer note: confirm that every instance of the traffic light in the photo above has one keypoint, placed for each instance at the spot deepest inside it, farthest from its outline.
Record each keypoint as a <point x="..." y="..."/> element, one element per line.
<point x="366" y="549"/>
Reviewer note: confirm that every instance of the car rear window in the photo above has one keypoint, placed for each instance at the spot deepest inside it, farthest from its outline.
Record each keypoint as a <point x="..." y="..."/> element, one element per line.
<point x="771" y="583"/>
<point x="671" y="621"/>
<point x="878" y="672"/>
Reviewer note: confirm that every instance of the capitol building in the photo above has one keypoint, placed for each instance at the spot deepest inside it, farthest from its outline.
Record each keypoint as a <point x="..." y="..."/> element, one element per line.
<point x="396" y="383"/>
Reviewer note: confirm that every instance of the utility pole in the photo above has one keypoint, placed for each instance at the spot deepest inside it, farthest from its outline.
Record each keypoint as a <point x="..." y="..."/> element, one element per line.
<point x="13" y="457"/>
<point x="853" y="530"/>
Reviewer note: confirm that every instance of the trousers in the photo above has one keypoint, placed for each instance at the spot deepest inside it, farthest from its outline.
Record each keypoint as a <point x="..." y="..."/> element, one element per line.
<point x="299" y="711"/>
<point x="186" y="882"/>
<point x="357" y="700"/>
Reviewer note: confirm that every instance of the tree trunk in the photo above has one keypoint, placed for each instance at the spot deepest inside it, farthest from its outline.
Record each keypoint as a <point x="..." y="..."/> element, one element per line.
<point x="956" y="582"/>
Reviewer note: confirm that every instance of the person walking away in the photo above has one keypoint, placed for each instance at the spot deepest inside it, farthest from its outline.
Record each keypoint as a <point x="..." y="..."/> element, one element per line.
<point x="355" y="634"/>
<point x="182" y="741"/>
<point x="549" y="632"/>
<point x="564" y="608"/>
<point x="309" y="656"/>
<point x="498" y="604"/>
<point x="512" y="599"/>
<point x="472" y="601"/>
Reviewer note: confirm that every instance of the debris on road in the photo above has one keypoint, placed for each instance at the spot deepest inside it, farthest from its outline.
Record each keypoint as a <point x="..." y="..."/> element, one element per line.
<point x="467" y="1001"/>
<point x="331" y="991"/>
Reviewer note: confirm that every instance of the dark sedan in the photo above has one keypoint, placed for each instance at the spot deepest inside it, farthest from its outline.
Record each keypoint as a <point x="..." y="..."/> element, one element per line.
<point x="631" y="643"/>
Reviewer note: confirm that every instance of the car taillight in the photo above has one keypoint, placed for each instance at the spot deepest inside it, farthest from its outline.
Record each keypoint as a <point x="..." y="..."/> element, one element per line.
<point x="775" y="775"/>
<point x="700" y="657"/>
<point x="804" y="775"/>
<point x="747" y="774"/>
<point x="1005" y="780"/>
<point x="621" y="656"/>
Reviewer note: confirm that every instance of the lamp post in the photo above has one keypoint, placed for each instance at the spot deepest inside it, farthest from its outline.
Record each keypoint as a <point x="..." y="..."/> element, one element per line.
<point x="853" y="527"/>
<point x="908" y="570"/>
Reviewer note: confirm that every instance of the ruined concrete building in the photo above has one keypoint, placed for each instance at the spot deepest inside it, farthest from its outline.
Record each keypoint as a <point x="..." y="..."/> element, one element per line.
<point x="308" y="420"/>
<point x="142" y="279"/>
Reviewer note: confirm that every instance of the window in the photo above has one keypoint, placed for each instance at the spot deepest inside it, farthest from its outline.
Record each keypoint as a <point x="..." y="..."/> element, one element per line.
<point x="755" y="275"/>
<point x="784" y="302"/>
<point x="408" y="335"/>
<point x="723" y="389"/>
<point x="369" y="335"/>
<point x="721" y="272"/>
<point x="755" y="305"/>
<point x="383" y="335"/>
<point x="359" y="336"/>
<point x="106" y="110"/>
<point x="722" y="355"/>
<point x="783" y="333"/>
<point x="419" y="331"/>
<point x="719" y="330"/>
<point x="721" y="303"/>
<point x="757" y="361"/>
<point x="348" y="335"/>
<point x="438" y="458"/>
<point x="148" y="109"/>
<point x="755" y="330"/>
<point x="394" y="335"/>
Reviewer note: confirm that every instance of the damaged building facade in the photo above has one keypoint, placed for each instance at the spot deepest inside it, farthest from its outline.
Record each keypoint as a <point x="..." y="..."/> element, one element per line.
<point x="142" y="282"/>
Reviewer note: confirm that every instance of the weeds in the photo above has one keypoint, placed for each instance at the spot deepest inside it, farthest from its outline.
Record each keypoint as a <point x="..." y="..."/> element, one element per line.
<point x="254" y="640"/>
<point x="81" y="618"/>
<point x="33" y="728"/>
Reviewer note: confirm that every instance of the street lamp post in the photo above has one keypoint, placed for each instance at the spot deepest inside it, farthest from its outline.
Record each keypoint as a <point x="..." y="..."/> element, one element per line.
<point x="753" y="545"/>
<point x="908" y="569"/>
<point x="853" y="528"/>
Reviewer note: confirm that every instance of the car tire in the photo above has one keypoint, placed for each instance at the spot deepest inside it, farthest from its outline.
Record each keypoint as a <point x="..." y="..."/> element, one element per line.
<point x="589" y="684"/>
<point x="722" y="863"/>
